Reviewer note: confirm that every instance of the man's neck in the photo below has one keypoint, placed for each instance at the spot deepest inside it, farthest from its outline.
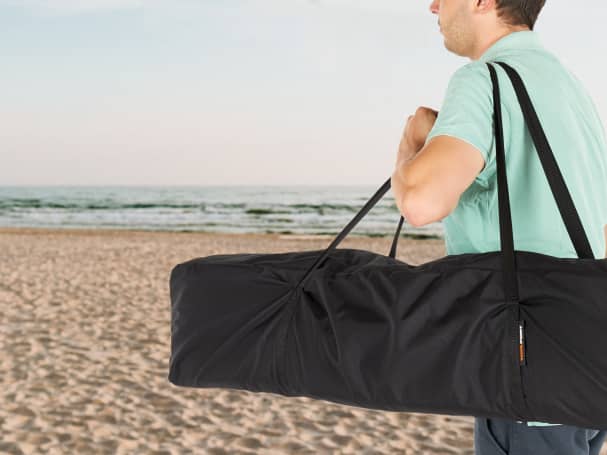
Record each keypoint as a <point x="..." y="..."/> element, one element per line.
<point x="495" y="37"/>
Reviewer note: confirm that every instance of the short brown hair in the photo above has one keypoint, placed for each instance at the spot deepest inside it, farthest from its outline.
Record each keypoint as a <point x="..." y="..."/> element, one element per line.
<point x="519" y="12"/>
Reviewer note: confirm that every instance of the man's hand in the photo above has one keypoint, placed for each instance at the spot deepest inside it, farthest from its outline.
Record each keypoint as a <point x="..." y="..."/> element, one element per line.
<point x="416" y="131"/>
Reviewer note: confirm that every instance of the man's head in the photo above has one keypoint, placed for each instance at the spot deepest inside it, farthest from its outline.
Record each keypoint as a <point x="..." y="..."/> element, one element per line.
<point x="469" y="27"/>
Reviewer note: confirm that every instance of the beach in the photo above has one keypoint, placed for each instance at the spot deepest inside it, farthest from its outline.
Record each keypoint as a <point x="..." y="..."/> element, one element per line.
<point x="85" y="342"/>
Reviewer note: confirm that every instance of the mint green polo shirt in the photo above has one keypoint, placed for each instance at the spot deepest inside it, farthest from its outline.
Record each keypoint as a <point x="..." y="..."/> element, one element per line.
<point x="575" y="134"/>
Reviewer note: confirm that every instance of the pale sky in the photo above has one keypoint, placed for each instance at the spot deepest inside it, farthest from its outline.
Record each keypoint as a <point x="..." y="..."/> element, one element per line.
<point x="229" y="92"/>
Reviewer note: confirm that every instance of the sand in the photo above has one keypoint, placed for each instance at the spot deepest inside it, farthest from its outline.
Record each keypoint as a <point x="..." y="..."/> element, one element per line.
<point x="85" y="342"/>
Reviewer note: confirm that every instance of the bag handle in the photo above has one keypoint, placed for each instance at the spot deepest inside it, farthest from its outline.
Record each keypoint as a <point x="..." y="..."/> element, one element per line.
<point x="346" y="230"/>
<point x="503" y="197"/>
<point x="561" y="194"/>
<point x="392" y="253"/>
<point x="557" y="184"/>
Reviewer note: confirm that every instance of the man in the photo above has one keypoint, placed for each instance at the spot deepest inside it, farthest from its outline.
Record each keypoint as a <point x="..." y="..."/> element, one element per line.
<point x="446" y="170"/>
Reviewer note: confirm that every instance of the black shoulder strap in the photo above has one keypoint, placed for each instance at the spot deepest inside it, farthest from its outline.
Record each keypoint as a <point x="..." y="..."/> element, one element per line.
<point x="558" y="187"/>
<point x="511" y="292"/>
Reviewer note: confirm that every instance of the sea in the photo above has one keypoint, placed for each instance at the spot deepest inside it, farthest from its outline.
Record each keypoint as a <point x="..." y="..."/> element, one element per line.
<point x="297" y="210"/>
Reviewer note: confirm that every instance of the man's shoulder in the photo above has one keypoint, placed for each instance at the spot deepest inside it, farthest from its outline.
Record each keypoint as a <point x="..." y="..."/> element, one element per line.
<point x="470" y="73"/>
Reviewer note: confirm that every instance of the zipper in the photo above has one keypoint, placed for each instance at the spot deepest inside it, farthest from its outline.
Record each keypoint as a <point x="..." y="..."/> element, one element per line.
<point x="522" y="351"/>
<point x="521" y="359"/>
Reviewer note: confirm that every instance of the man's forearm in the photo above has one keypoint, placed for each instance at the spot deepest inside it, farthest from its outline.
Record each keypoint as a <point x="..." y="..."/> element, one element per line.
<point x="399" y="182"/>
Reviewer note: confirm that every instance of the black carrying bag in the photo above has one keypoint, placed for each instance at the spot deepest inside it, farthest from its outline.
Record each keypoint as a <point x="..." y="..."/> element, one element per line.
<point x="508" y="334"/>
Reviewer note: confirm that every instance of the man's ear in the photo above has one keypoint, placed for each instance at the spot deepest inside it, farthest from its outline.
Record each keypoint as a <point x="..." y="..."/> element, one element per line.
<point x="484" y="6"/>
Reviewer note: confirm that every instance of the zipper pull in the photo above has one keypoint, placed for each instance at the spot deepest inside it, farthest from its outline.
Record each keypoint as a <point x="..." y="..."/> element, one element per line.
<point x="521" y="343"/>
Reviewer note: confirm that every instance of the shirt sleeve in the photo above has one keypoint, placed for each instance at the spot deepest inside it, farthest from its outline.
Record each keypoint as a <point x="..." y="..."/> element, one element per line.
<point x="467" y="114"/>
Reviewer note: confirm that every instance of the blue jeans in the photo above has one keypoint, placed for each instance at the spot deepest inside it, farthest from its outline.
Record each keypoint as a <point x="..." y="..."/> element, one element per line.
<point x="508" y="437"/>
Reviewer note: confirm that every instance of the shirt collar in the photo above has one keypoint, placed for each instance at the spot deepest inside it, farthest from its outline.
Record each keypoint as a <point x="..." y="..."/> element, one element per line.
<point x="523" y="39"/>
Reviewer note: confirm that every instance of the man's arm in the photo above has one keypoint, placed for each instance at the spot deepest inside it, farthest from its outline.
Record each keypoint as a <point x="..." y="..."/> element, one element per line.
<point x="427" y="188"/>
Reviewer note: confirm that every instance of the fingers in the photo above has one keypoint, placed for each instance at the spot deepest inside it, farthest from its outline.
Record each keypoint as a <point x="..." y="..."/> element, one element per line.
<point x="421" y="110"/>
<point x="409" y="119"/>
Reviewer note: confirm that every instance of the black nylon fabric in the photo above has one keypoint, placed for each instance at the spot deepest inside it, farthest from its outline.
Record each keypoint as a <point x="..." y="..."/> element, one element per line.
<point x="507" y="334"/>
